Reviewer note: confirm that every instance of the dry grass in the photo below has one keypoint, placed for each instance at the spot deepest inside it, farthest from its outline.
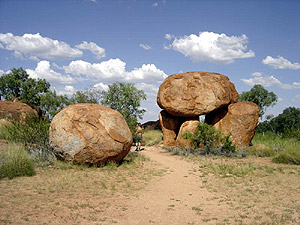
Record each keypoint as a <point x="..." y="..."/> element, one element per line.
<point x="72" y="194"/>
<point x="256" y="190"/>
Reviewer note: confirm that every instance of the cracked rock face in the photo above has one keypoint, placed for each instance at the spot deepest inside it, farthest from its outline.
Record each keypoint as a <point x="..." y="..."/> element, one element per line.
<point x="89" y="133"/>
<point x="195" y="93"/>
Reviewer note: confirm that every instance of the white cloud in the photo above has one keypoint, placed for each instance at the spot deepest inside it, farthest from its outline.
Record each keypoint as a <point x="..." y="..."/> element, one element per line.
<point x="150" y="89"/>
<point x="145" y="46"/>
<point x="169" y="36"/>
<point x="43" y="71"/>
<point x="212" y="47"/>
<point x="68" y="90"/>
<point x="101" y="87"/>
<point x="93" y="47"/>
<point x="280" y="63"/>
<point x="115" y="69"/>
<point x="268" y="81"/>
<point x="155" y="4"/>
<point x="36" y="46"/>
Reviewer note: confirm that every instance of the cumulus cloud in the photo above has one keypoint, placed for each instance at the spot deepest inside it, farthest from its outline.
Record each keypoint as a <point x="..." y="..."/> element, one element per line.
<point x="115" y="69"/>
<point x="43" y="71"/>
<point x="36" y="46"/>
<point x="268" y="81"/>
<point x="155" y="4"/>
<point x="145" y="46"/>
<point x="212" y="47"/>
<point x="280" y="63"/>
<point x="68" y="90"/>
<point x="93" y="47"/>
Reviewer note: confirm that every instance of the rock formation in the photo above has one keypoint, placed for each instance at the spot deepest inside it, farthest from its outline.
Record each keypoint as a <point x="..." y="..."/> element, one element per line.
<point x="89" y="133"/>
<point x="15" y="110"/>
<point x="195" y="93"/>
<point x="240" y="119"/>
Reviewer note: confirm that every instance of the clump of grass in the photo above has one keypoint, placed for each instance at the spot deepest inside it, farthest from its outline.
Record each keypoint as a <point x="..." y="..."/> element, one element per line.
<point x="15" y="162"/>
<point x="260" y="150"/>
<point x="290" y="156"/>
<point x="152" y="137"/>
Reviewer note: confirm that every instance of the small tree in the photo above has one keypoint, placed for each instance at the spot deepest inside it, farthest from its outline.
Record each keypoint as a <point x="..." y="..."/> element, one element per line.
<point x="260" y="96"/>
<point x="18" y="85"/>
<point x="126" y="99"/>
<point x="89" y="95"/>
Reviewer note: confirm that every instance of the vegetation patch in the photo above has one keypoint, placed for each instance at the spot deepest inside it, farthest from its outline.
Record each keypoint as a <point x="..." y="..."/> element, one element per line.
<point x="152" y="137"/>
<point x="15" y="162"/>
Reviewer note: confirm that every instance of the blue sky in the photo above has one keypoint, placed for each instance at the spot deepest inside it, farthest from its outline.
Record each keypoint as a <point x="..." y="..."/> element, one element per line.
<point x="75" y="44"/>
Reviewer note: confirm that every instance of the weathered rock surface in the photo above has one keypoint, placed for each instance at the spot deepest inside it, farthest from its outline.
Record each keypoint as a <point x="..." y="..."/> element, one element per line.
<point x="191" y="126"/>
<point x="90" y="133"/>
<point x="15" y="110"/>
<point x="195" y="93"/>
<point x="169" y="126"/>
<point x="240" y="119"/>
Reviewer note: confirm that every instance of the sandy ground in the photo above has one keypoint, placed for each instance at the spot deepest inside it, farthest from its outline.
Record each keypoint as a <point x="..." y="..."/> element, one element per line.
<point x="164" y="190"/>
<point x="175" y="198"/>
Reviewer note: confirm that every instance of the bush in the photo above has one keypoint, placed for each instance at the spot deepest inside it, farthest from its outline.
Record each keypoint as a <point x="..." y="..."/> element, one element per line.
<point x="210" y="140"/>
<point x="33" y="133"/>
<point x="15" y="162"/>
<point x="152" y="137"/>
<point x="292" y="133"/>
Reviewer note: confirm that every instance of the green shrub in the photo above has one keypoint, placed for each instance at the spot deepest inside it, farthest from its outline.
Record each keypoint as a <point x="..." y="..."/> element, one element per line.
<point x="152" y="137"/>
<point x="15" y="162"/>
<point x="210" y="140"/>
<point x="33" y="133"/>
<point x="292" y="133"/>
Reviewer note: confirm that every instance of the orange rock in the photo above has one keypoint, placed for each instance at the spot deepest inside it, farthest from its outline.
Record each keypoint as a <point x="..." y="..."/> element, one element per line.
<point x="240" y="119"/>
<point x="90" y="133"/>
<point x="169" y="126"/>
<point x="195" y="93"/>
<point x="191" y="126"/>
<point x="15" y="110"/>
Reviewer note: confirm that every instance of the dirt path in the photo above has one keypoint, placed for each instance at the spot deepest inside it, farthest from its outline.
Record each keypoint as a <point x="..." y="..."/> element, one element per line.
<point x="178" y="197"/>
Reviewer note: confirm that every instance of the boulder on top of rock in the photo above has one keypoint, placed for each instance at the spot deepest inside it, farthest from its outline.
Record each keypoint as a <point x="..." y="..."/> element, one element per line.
<point x="187" y="126"/>
<point x="240" y="119"/>
<point x="195" y="93"/>
<point x="90" y="133"/>
<point x="15" y="110"/>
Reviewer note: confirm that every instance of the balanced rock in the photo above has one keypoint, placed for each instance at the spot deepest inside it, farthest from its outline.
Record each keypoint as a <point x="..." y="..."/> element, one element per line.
<point x="187" y="126"/>
<point x="240" y="119"/>
<point x="15" y="110"/>
<point x="90" y="133"/>
<point x="169" y="126"/>
<point x="195" y="93"/>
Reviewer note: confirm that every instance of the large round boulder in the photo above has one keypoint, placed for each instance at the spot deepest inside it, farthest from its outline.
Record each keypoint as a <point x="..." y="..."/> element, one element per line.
<point x="15" y="111"/>
<point x="89" y="133"/>
<point x="240" y="119"/>
<point x="195" y="93"/>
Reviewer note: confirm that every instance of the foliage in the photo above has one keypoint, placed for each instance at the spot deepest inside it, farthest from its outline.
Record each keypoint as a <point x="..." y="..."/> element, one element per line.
<point x="33" y="133"/>
<point x="287" y="122"/>
<point x="18" y="85"/>
<point x="152" y="137"/>
<point x="211" y="140"/>
<point x="126" y="99"/>
<point x="89" y="95"/>
<point x="259" y="95"/>
<point x="51" y="103"/>
<point x="15" y="162"/>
